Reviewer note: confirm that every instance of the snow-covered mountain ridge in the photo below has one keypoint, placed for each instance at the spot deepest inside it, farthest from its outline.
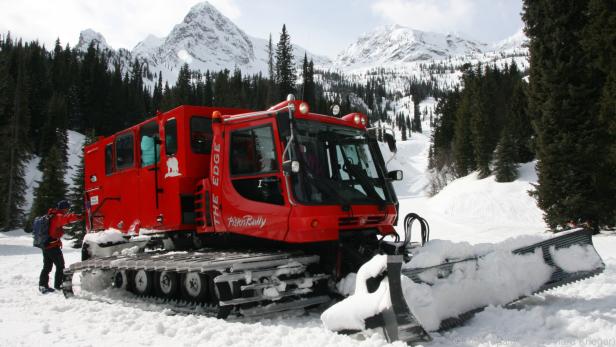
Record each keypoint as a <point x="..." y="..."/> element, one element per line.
<point x="396" y="44"/>
<point x="396" y="54"/>
<point x="399" y="44"/>
<point x="205" y="40"/>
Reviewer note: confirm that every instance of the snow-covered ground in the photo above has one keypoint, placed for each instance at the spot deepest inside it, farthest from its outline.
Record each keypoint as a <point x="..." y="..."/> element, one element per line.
<point x="469" y="209"/>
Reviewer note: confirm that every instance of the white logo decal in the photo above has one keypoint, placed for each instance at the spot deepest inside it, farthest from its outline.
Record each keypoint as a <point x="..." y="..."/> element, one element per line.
<point x="94" y="200"/>
<point x="247" y="221"/>
<point x="172" y="168"/>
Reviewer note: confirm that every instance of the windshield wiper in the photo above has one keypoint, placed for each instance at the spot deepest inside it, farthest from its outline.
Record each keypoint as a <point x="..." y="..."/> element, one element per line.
<point x="362" y="177"/>
<point x="346" y="204"/>
<point x="329" y="187"/>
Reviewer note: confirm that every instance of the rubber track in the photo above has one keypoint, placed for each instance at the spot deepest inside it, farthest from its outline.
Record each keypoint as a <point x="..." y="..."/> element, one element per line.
<point x="226" y="263"/>
<point x="558" y="279"/>
<point x="180" y="306"/>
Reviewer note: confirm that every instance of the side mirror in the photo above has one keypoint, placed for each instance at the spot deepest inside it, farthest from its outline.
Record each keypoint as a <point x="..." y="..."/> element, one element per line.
<point x="391" y="142"/>
<point x="290" y="166"/>
<point x="396" y="175"/>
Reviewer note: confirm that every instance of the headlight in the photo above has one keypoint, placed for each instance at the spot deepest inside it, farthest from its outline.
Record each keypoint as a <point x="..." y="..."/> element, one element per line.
<point x="357" y="119"/>
<point x="303" y="108"/>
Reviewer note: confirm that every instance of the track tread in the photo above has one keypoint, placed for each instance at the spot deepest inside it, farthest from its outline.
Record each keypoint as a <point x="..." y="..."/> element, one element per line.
<point x="256" y="265"/>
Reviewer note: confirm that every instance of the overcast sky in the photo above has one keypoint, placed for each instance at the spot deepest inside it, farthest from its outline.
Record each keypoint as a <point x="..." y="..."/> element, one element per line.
<point x="322" y="26"/>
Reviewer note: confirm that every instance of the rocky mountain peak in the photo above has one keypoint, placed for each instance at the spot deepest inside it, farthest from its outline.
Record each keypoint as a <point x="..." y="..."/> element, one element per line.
<point x="205" y="35"/>
<point x="517" y="41"/>
<point x="205" y="40"/>
<point x="90" y="36"/>
<point x="400" y="44"/>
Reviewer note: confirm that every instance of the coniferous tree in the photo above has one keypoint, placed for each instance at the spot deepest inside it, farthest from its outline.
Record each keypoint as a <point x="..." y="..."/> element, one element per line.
<point x="271" y="70"/>
<point x="598" y="41"/>
<point x="311" y="93"/>
<point x="208" y="94"/>
<point x="409" y="125"/>
<point x="182" y="86"/>
<point x="565" y="88"/>
<point x="462" y="146"/>
<point x="444" y="127"/>
<point x="54" y="130"/>
<point x="308" y="90"/>
<point x="52" y="187"/>
<point x="505" y="166"/>
<point x="5" y="111"/>
<point x="519" y="124"/>
<point x="285" y="66"/>
<point x="12" y="192"/>
<point x="157" y="95"/>
<point x="480" y="130"/>
<point x="416" y="125"/>
<point x="76" y="196"/>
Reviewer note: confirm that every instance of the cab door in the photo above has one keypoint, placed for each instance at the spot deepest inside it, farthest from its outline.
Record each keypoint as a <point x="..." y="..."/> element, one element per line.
<point x="149" y="162"/>
<point x="253" y="189"/>
<point x="121" y="184"/>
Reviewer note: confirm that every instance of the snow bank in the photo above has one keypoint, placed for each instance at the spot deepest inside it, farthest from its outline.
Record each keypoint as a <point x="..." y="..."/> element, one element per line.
<point x="105" y="236"/>
<point x="576" y="258"/>
<point x="487" y="201"/>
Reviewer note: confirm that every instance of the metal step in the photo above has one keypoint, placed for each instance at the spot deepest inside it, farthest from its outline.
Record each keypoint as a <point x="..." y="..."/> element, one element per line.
<point x="301" y="303"/>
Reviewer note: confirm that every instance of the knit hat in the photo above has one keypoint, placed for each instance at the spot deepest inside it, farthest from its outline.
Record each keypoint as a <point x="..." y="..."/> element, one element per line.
<point x="63" y="205"/>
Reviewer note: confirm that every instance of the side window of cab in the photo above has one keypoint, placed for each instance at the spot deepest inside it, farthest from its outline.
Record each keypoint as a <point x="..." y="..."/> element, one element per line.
<point x="171" y="137"/>
<point x="149" y="144"/>
<point x="125" y="151"/>
<point x="201" y="135"/>
<point x="109" y="164"/>
<point x="254" y="165"/>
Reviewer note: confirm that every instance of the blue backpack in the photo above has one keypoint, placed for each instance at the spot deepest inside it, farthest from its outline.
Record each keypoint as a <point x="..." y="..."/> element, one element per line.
<point x="40" y="231"/>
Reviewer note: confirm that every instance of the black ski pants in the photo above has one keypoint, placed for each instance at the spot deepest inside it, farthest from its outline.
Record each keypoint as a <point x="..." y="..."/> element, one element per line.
<point x="52" y="257"/>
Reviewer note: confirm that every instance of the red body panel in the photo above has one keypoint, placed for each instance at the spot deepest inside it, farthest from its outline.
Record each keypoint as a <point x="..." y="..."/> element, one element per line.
<point x="196" y="192"/>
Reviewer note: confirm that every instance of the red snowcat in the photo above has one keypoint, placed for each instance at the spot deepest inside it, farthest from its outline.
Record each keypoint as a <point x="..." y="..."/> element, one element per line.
<point x="248" y="213"/>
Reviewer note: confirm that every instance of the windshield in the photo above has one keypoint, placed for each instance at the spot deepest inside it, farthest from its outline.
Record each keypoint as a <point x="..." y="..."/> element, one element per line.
<point x="337" y="166"/>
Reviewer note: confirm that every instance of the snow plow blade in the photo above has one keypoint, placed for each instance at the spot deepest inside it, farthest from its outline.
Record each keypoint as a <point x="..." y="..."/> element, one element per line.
<point x="400" y="324"/>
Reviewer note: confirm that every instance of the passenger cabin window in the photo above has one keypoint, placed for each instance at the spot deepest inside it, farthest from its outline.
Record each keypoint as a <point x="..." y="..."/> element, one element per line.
<point x="171" y="137"/>
<point x="149" y="148"/>
<point x="125" y="157"/>
<point x="109" y="159"/>
<point x="201" y="135"/>
<point x="254" y="166"/>
<point x="253" y="151"/>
